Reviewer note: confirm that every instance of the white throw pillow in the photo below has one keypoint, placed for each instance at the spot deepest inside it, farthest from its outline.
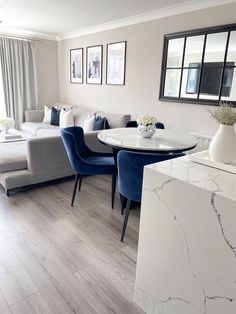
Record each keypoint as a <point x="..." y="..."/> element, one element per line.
<point x="88" y="123"/>
<point x="66" y="118"/>
<point x="47" y="115"/>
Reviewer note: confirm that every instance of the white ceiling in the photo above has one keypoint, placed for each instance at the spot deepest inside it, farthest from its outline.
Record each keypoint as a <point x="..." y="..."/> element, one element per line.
<point x="60" y="17"/>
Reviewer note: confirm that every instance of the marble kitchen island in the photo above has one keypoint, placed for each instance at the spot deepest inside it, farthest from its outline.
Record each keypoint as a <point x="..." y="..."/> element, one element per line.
<point x="187" y="242"/>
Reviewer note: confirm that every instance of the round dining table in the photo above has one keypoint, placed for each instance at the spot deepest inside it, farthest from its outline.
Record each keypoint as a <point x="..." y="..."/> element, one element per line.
<point x="163" y="141"/>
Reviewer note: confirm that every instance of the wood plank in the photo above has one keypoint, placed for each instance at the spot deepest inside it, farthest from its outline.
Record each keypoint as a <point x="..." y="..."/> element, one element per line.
<point x="9" y="225"/>
<point x="6" y="310"/>
<point x="130" y="252"/>
<point x="104" y="294"/>
<point x="3" y="303"/>
<point x="35" y="304"/>
<point x="50" y="277"/>
<point x="15" y="282"/>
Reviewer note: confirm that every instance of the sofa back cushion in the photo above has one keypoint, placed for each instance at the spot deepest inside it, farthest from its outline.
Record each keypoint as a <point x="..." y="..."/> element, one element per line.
<point x="55" y="116"/>
<point x="115" y="120"/>
<point x="60" y="105"/>
<point x="66" y="118"/>
<point x="81" y="114"/>
<point x="100" y="124"/>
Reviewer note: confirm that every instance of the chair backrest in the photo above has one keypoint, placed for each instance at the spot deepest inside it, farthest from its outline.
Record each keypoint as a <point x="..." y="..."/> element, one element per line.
<point x="203" y="142"/>
<point x="134" y="124"/>
<point x="130" y="171"/>
<point x="73" y="139"/>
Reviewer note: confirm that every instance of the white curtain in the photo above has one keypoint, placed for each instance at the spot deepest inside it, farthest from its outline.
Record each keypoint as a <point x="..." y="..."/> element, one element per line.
<point x="19" y="77"/>
<point x="2" y="98"/>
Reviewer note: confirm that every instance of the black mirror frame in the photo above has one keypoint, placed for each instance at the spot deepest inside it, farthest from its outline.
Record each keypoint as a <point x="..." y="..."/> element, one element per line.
<point x="203" y="31"/>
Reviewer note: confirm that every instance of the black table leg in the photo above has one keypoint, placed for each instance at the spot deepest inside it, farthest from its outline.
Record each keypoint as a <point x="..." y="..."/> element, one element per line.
<point x="122" y="199"/>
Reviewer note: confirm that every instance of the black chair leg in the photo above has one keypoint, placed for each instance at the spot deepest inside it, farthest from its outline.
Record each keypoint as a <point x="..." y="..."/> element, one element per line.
<point x="80" y="182"/>
<point x="113" y="190"/>
<point x="123" y="201"/>
<point x="125" y="220"/>
<point x="75" y="188"/>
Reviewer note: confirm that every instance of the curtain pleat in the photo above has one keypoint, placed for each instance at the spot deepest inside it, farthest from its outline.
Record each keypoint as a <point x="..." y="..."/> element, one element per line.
<point x="19" y="77"/>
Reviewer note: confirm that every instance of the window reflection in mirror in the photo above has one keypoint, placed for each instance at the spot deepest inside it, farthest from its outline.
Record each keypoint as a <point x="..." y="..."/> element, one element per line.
<point x="229" y="80"/>
<point x="211" y="82"/>
<point x="193" y="50"/>
<point x="192" y="61"/>
<point x="172" y="82"/>
<point x="231" y="55"/>
<point x="212" y="70"/>
<point x="190" y="81"/>
<point x="175" y="53"/>
<point x="215" y="47"/>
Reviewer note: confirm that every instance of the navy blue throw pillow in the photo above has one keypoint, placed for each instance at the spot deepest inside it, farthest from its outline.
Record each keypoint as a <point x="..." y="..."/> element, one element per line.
<point x="55" y="116"/>
<point x="100" y="123"/>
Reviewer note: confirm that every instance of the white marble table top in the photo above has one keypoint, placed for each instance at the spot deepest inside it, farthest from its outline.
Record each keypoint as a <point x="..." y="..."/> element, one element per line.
<point x="162" y="140"/>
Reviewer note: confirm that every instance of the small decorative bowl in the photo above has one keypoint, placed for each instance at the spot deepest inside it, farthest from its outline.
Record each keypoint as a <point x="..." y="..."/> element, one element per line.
<point x="146" y="131"/>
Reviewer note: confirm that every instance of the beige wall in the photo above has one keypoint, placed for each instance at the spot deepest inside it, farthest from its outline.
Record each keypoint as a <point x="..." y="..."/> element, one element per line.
<point x="47" y="71"/>
<point x="144" y="56"/>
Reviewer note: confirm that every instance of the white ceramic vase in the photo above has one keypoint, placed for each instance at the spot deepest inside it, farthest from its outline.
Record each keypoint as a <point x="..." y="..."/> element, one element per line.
<point x="146" y="131"/>
<point x="223" y="145"/>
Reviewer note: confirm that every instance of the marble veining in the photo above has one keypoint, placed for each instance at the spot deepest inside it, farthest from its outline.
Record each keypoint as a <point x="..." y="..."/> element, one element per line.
<point x="193" y="214"/>
<point x="208" y="178"/>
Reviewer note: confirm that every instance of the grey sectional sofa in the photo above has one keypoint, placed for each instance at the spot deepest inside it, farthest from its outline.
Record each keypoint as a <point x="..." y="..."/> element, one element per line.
<point x="42" y="157"/>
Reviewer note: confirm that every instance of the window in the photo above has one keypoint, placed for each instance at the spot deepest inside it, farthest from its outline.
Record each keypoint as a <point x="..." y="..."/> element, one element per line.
<point x="199" y="66"/>
<point x="2" y="100"/>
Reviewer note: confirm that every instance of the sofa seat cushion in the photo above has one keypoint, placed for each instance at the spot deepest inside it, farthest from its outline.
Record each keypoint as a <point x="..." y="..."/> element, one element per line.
<point x="13" y="156"/>
<point x="48" y="132"/>
<point x="34" y="127"/>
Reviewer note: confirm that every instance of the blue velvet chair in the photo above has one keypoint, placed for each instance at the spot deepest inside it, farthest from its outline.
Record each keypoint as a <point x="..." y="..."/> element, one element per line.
<point x="130" y="176"/>
<point x="86" y="162"/>
<point x="134" y="124"/>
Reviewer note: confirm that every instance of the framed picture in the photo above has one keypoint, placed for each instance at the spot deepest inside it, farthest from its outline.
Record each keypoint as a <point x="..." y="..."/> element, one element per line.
<point x="94" y="65"/>
<point x="116" y="58"/>
<point x="76" y="65"/>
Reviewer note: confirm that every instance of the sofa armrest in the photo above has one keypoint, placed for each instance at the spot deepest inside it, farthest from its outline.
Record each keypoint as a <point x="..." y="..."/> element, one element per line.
<point x="34" y="115"/>
<point x="91" y="139"/>
<point x="47" y="158"/>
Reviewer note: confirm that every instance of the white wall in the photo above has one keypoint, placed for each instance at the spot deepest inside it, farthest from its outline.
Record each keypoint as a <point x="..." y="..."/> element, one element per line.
<point x="144" y="56"/>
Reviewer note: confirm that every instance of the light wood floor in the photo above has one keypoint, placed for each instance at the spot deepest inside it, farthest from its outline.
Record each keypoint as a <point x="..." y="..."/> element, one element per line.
<point x="63" y="260"/>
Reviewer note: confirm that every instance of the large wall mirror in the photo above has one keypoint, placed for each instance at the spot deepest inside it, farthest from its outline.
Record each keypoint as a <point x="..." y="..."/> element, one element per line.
<point x="200" y="66"/>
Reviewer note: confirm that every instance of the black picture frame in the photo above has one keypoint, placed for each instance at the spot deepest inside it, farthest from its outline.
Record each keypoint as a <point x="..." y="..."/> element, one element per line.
<point x="116" y="77"/>
<point x="77" y="66"/>
<point x="96" y="66"/>
<point x="198" y="100"/>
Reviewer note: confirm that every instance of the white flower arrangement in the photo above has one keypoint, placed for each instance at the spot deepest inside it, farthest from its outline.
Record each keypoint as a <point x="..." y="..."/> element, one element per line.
<point x="146" y="120"/>
<point x="225" y="114"/>
<point x="6" y="122"/>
